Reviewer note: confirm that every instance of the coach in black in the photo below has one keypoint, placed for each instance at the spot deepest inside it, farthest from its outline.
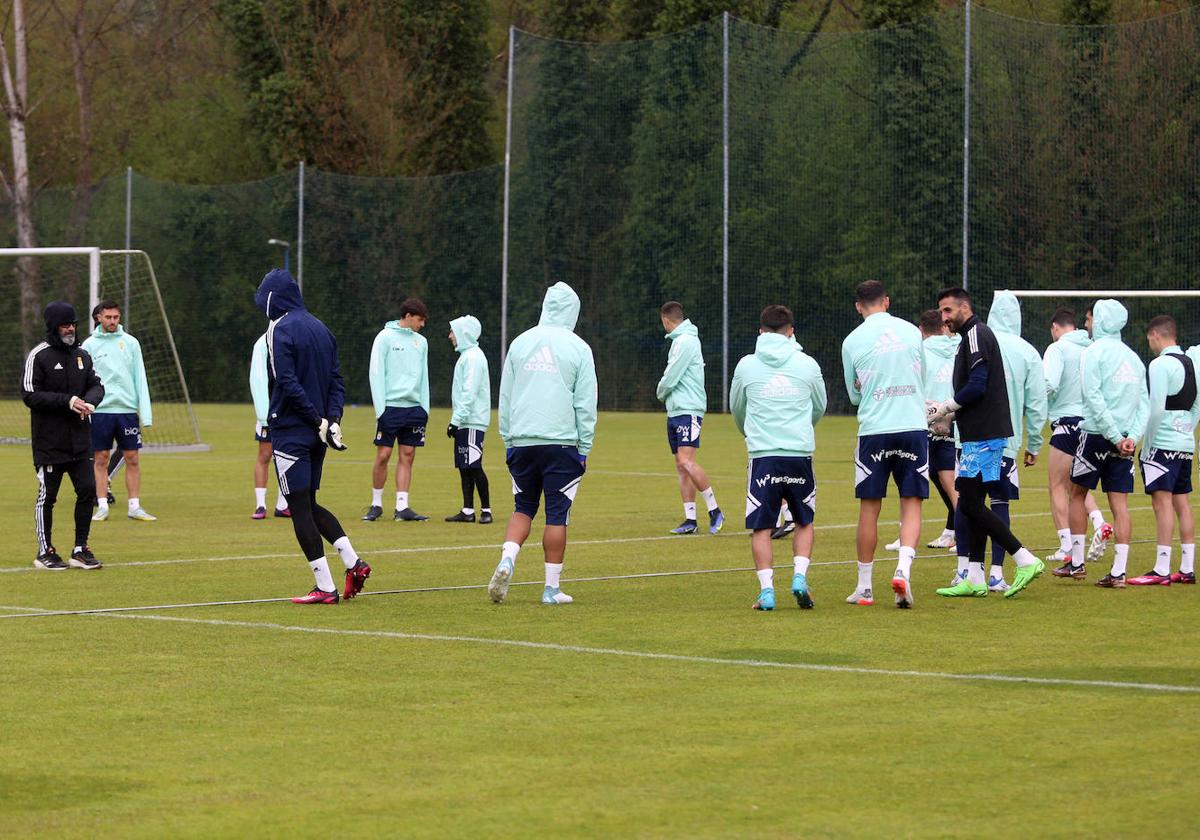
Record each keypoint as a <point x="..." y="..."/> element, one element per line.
<point x="62" y="390"/>
<point x="980" y="408"/>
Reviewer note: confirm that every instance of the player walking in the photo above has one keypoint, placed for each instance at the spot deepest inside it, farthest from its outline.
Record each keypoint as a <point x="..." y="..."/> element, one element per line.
<point x="776" y="397"/>
<point x="260" y="394"/>
<point x="682" y="389"/>
<point x="307" y="396"/>
<point x="547" y="420"/>
<point x="471" y="398"/>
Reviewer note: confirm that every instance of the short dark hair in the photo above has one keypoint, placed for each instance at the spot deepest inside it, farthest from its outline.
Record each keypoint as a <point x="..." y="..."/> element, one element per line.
<point x="672" y="310"/>
<point x="869" y="292"/>
<point x="1063" y="317"/>
<point x="105" y="304"/>
<point x="776" y="318"/>
<point x="413" y="306"/>
<point x="958" y="293"/>
<point x="931" y="322"/>
<point x="1164" y="325"/>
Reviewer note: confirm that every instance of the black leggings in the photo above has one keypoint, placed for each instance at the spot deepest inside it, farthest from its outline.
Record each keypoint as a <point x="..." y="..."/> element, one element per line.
<point x="471" y="478"/>
<point x="937" y="482"/>
<point x="973" y="512"/>
<point x="311" y="522"/>
<point x="50" y="478"/>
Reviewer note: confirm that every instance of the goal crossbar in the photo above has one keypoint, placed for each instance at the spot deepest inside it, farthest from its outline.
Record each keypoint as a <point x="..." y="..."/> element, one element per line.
<point x="1103" y="293"/>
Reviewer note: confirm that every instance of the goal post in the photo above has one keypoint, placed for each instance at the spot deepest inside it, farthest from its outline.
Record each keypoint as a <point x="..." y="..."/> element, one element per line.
<point x="1141" y="305"/>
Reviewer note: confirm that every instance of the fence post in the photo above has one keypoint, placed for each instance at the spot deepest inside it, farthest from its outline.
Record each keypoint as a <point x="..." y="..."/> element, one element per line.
<point x="300" y="230"/>
<point x="512" y="37"/>
<point x="125" y="314"/>
<point x="725" y="213"/>
<point x="966" y="214"/>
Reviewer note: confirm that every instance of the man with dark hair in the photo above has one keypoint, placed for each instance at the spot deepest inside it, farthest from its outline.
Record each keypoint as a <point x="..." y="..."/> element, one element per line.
<point x="399" y="375"/>
<point x="682" y="389"/>
<point x="305" y="414"/>
<point x="884" y="369"/>
<point x="776" y="397"/>
<point x="62" y="390"/>
<point x="116" y="459"/>
<point x="980" y="408"/>
<point x="1167" y="452"/>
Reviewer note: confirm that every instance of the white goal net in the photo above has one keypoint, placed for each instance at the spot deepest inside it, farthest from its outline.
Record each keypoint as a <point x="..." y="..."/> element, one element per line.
<point x="83" y="277"/>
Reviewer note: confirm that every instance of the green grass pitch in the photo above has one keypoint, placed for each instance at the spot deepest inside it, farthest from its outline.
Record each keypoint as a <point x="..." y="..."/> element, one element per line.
<point x="652" y="706"/>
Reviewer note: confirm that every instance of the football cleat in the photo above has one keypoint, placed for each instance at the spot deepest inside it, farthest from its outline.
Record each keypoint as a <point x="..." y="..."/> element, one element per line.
<point x="50" y="561"/>
<point x="1059" y="556"/>
<point x="783" y="530"/>
<point x="101" y="514"/>
<point x="960" y="574"/>
<point x="903" y="589"/>
<point x="893" y="546"/>
<point x="946" y="540"/>
<point x="409" y="515"/>
<point x="1099" y="542"/>
<point x="1151" y="578"/>
<point x="141" y="516"/>
<point x="687" y="526"/>
<point x="356" y="579"/>
<point x="461" y="517"/>
<point x="1023" y="576"/>
<point x="498" y="585"/>
<point x="552" y="596"/>
<point x="1070" y="570"/>
<point x="716" y="521"/>
<point x="997" y="584"/>
<point x="84" y="559"/>
<point x="373" y="513"/>
<point x="1183" y="577"/>
<point x="861" y="598"/>
<point x="801" y="592"/>
<point x="1110" y="581"/>
<point x="317" y="596"/>
<point x="283" y="513"/>
<point x="259" y="513"/>
<point x="765" y="600"/>
<point x="485" y="517"/>
<point x="964" y="589"/>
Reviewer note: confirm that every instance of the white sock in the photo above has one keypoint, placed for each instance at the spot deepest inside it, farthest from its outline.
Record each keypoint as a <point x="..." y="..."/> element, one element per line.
<point x="260" y="498"/>
<point x="787" y="515"/>
<point x="485" y="510"/>
<point x="401" y="501"/>
<point x="710" y="499"/>
<point x="800" y="565"/>
<point x="134" y="503"/>
<point x="1162" y="560"/>
<point x="77" y="549"/>
<point x="348" y="554"/>
<point x="1077" y="549"/>
<point x="1064" y="540"/>
<point x="510" y="550"/>
<point x="102" y="502"/>
<point x="468" y="511"/>
<point x="962" y="563"/>
<point x="689" y="511"/>
<point x="766" y="578"/>
<point x="281" y="501"/>
<point x="553" y="574"/>
<point x="377" y="497"/>
<point x="904" y="563"/>
<point x="1187" y="558"/>
<point x="320" y="569"/>
<point x="1120" y="558"/>
<point x="1024" y="557"/>
<point x="864" y="575"/>
<point x="975" y="573"/>
<point x="1097" y="519"/>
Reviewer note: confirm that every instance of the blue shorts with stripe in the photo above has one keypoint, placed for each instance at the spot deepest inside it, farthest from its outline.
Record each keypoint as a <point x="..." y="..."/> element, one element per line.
<point x="903" y="456"/>
<point x="684" y="430"/>
<point x="468" y="449"/>
<point x="1097" y="462"/>
<point x="552" y="470"/>
<point x="775" y="479"/>
<point x="1164" y="469"/>
<point x="298" y="465"/>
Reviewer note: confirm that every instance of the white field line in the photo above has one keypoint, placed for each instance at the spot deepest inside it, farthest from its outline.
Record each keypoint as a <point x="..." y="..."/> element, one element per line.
<point x="677" y="657"/>
<point x="493" y="546"/>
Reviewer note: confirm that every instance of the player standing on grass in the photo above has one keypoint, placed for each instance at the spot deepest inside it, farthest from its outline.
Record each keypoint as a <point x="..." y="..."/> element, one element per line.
<point x="1116" y="406"/>
<point x="776" y="397"/>
<point x="61" y="389"/>
<point x="1167" y="452"/>
<point x="116" y="459"/>
<point x="883" y="365"/>
<point x="547" y="420"/>
<point x="981" y="410"/>
<point x="471" y="401"/>
<point x="260" y="394"/>
<point x="1064" y="394"/>
<point x="117" y="356"/>
<point x="307" y="396"/>
<point x="399" y="377"/>
<point x="682" y="389"/>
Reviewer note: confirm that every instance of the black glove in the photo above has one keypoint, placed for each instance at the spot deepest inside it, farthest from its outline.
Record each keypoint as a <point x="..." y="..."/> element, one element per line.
<point x="451" y="430"/>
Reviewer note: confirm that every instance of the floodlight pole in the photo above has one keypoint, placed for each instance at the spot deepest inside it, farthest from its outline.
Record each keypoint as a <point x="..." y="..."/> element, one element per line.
<point x="128" y="237"/>
<point x="725" y="212"/>
<point x="512" y="37"/>
<point x="966" y="217"/>
<point x="299" y="232"/>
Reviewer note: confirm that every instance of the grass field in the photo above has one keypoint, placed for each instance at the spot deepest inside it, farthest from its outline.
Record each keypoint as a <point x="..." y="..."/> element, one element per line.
<point x="652" y="706"/>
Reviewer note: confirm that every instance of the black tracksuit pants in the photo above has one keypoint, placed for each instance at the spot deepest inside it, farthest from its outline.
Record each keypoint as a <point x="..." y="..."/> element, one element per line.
<point x="50" y="478"/>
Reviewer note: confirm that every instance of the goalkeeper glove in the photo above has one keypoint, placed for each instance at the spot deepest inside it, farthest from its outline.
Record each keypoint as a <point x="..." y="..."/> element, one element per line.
<point x="330" y="433"/>
<point x="451" y="430"/>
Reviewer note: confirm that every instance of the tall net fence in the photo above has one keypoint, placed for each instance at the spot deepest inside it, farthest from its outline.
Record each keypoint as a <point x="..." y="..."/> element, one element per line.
<point x="844" y="163"/>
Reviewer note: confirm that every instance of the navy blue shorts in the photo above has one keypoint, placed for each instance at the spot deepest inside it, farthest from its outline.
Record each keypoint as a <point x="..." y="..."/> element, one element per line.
<point x="298" y="466"/>
<point x="776" y="479"/>
<point x="1064" y="434"/>
<point x="553" y="470"/>
<point x="684" y="430"/>
<point x="120" y="428"/>
<point x="1097" y="460"/>
<point x="1164" y="469"/>
<point x="901" y="455"/>
<point x="262" y="433"/>
<point x="468" y="449"/>
<point x="1008" y="488"/>
<point x="401" y="426"/>
<point x="942" y="455"/>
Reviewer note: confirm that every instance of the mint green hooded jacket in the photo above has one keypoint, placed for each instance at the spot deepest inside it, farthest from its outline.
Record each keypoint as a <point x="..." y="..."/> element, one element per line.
<point x="939" y="352"/>
<point x="1023" y="374"/>
<point x="682" y="384"/>
<point x="117" y="357"/>
<point x="1173" y="430"/>
<point x="776" y="397"/>
<point x="1061" y="363"/>
<point x="259" y="383"/>
<point x="399" y="371"/>
<point x="471" y="391"/>
<point x="1116" y="403"/>
<point x="883" y="364"/>
<point x="548" y="385"/>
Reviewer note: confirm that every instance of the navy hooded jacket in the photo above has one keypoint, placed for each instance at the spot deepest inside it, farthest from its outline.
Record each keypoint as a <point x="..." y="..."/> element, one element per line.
<point x="304" y="381"/>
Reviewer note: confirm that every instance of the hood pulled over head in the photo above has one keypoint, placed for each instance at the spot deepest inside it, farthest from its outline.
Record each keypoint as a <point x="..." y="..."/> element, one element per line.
<point x="278" y="294"/>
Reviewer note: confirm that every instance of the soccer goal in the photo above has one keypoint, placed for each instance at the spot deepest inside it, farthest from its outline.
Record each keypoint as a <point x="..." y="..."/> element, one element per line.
<point x="1183" y="305"/>
<point x="83" y="277"/>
